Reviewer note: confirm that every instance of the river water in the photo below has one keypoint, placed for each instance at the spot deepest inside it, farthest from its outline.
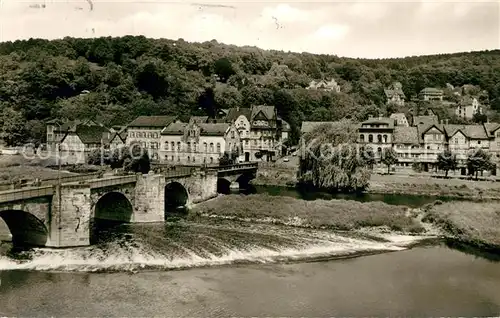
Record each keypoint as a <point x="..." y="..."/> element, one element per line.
<point x="227" y="268"/>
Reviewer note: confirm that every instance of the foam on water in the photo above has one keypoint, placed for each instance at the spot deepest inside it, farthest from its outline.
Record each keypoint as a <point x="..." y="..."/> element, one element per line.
<point x="279" y="244"/>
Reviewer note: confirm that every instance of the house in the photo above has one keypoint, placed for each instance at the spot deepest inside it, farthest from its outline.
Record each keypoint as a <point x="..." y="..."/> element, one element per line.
<point x="240" y="117"/>
<point x="377" y="133"/>
<point x="146" y="130"/>
<point x="261" y="131"/>
<point x="432" y="139"/>
<point x="406" y="145"/>
<point x="196" y="143"/>
<point x="431" y="94"/>
<point x="462" y="139"/>
<point x="395" y="94"/>
<point x="115" y="141"/>
<point x="79" y="142"/>
<point x="325" y="85"/>
<point x="283" y="133"/>
<point x="58" y="128"/>
<point x="467" y="107"/>
<point x="401" y="119"/>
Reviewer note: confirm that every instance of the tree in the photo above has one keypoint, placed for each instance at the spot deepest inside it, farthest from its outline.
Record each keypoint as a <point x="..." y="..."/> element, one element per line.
<point x="331" y="159"/>
<point x="479" y="118"/>
<point x="479" y="160"/>
<point x="96" y="157"/>
<point x="368" y="156"/>
<point x="447" y="161"/>
<point x="228" y="158"/>
<point x="137" y="160"/>
<point x="389" y="157"/>
<point x="13" y="127"/>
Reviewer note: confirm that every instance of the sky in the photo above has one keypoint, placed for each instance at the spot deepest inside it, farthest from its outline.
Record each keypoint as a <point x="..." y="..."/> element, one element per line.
<point x="366" y="29"/>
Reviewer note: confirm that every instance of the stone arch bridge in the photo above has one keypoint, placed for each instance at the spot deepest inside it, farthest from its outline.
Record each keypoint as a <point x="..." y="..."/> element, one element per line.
<point x="61" y="215"/>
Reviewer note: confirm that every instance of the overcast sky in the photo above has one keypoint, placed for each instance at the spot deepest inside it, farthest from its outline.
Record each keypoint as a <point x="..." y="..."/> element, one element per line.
<point x="350" y="28"/>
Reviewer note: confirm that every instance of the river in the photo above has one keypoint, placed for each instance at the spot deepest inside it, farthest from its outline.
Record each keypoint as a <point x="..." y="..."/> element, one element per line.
<point x="240" y="269"/>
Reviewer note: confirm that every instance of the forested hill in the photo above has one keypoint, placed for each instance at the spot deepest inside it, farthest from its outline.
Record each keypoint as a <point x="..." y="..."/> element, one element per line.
<point x="116" y="79"/>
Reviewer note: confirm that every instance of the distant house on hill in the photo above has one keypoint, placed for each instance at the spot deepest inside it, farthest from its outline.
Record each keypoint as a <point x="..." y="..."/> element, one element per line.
<point x="431" y="94"/>
<point x="325" y="85"/>
<point x="395" y="94"/>
<point x="401" y="119"/>
<point x="467" y="107"/>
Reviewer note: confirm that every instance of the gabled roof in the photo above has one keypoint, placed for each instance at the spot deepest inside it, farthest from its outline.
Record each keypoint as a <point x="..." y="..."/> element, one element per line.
<point x="453" y="129"/>
<point x="234" y="113"/>
<point x="389" y="93"/>
<point x="152" y="121"/>
<point x="174" y="129"/>
<point x="405" y="135"/>
<point x="475" y="132"/>
<point x="111" y="138"/>
<point x="422" y="129"/>
<point x="268" y="111"/>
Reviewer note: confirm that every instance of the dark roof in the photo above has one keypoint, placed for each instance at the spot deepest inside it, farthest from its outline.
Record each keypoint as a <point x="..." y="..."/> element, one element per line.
<point x="268" y="111"/>
<point x="152" y="121"/>
<point x="90" y="134"/>
<point x="213" y="129"/>
<point x="174" y="129"/>
<point x="234" y="113"/>
<point x="405" y="135"/>
<point x="391" y="92"/>
<point x="452" y="129"/>
<point x="470" y="131"/>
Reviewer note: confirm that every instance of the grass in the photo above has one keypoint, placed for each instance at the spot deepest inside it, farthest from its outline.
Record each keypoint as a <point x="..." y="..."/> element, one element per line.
<point x="13" y="168"/>
<point x="475" y="223"/>
<point x="332" y="214"/>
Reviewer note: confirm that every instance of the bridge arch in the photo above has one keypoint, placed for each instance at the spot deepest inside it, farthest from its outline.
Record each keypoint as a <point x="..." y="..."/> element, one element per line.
<point x="244" y="180"/>
<point x="176" y="196"/>
<point x="26" y="229"/>
<point x="223" y="185"/>
<point x="111" y="209"/>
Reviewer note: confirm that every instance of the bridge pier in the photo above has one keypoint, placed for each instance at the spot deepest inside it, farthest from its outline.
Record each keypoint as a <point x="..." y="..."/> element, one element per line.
<point x="70" y="217"/>
<point x="149" y="199"/>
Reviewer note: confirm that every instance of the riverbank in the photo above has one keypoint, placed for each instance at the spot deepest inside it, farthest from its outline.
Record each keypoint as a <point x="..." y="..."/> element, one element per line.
<point x="476" y="224"/>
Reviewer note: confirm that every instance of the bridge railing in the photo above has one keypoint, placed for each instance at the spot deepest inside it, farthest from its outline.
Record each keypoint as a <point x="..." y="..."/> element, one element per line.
<point x="26" y="193"/>
<point x="239" y="166"/>
<point x="110" y="181"/>
<point x="69" y="179"/>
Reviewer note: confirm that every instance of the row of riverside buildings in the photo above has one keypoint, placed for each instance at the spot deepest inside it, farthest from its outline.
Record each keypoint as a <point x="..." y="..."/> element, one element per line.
<point x="256" y="133"/>
<point x="424" y="138"/>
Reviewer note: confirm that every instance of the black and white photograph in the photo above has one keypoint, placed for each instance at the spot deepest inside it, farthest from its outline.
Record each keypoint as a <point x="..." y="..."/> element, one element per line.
<point x="240" y="158"/>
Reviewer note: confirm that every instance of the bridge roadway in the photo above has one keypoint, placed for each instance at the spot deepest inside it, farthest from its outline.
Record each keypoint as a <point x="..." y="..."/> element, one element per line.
<point x="46" y="187"/>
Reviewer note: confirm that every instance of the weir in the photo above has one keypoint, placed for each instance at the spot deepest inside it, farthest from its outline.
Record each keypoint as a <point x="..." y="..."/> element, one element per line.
<point x="63" y="215"/>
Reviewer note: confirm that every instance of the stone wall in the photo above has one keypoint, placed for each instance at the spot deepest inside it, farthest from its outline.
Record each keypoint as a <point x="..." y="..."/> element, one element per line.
<point x="201" y="186"/>
<point x="72" y="226"/>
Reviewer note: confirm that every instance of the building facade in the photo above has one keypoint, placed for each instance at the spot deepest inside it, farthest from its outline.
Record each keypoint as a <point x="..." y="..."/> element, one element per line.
<point x="377" y="134"/>
<point x="146" y="131"/>
<point x="198" y="143"/>
<point x="431" y="94"/>
<point x="77" y="145"/>
<point x="395" y="94"/>
<point x="467" y="107"/>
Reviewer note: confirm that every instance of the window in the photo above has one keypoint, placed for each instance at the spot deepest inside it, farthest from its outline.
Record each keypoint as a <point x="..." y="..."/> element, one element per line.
<point x="205" y="147"/>
<point x="189" y="158"/>
<point x="194" y="159"/>
<point x="189" y="147"/>
<point x="385" y="138"/>
<point x="178" y="146"/>
<point x="218" y="147"/>
<point x="195" y="146"/>
<point x="204" y="160"/>
<point x="211" y="160"/>
<point x="172" y="146"/>
<point x="246" y="143"/>
<point x="379" y="138"/>
<point x="211" y="147"/>
<point x="379" y="150"/>
<point x="362" y="138"/>
<point x="479" y="142"/>
<point x="232" y="134"/>
<point x="178" y="158"/>
<point x="370" y="138"/>
<point x="166" y="145"/>
<point x="172" y="158"/>
<point x="166" y="157"/>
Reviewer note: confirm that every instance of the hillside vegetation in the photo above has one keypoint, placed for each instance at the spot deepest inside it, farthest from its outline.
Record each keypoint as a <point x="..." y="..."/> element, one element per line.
<point x="114" y="80"/>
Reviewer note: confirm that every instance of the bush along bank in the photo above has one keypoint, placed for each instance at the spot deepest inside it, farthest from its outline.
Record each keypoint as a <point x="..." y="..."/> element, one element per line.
<point x="469" y="224"/>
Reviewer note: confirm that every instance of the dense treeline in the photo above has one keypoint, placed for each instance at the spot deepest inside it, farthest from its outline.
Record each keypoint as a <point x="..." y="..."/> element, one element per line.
<point x="114" y="80"/>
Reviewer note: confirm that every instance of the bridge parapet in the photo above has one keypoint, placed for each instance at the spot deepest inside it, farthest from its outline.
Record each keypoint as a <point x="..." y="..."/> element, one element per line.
<point x="25" y="193"/>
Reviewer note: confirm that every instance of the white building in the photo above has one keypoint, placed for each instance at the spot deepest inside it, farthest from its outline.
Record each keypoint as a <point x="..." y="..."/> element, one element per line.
<point x="146" y="130"/>
<point x="467" y="107"/>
